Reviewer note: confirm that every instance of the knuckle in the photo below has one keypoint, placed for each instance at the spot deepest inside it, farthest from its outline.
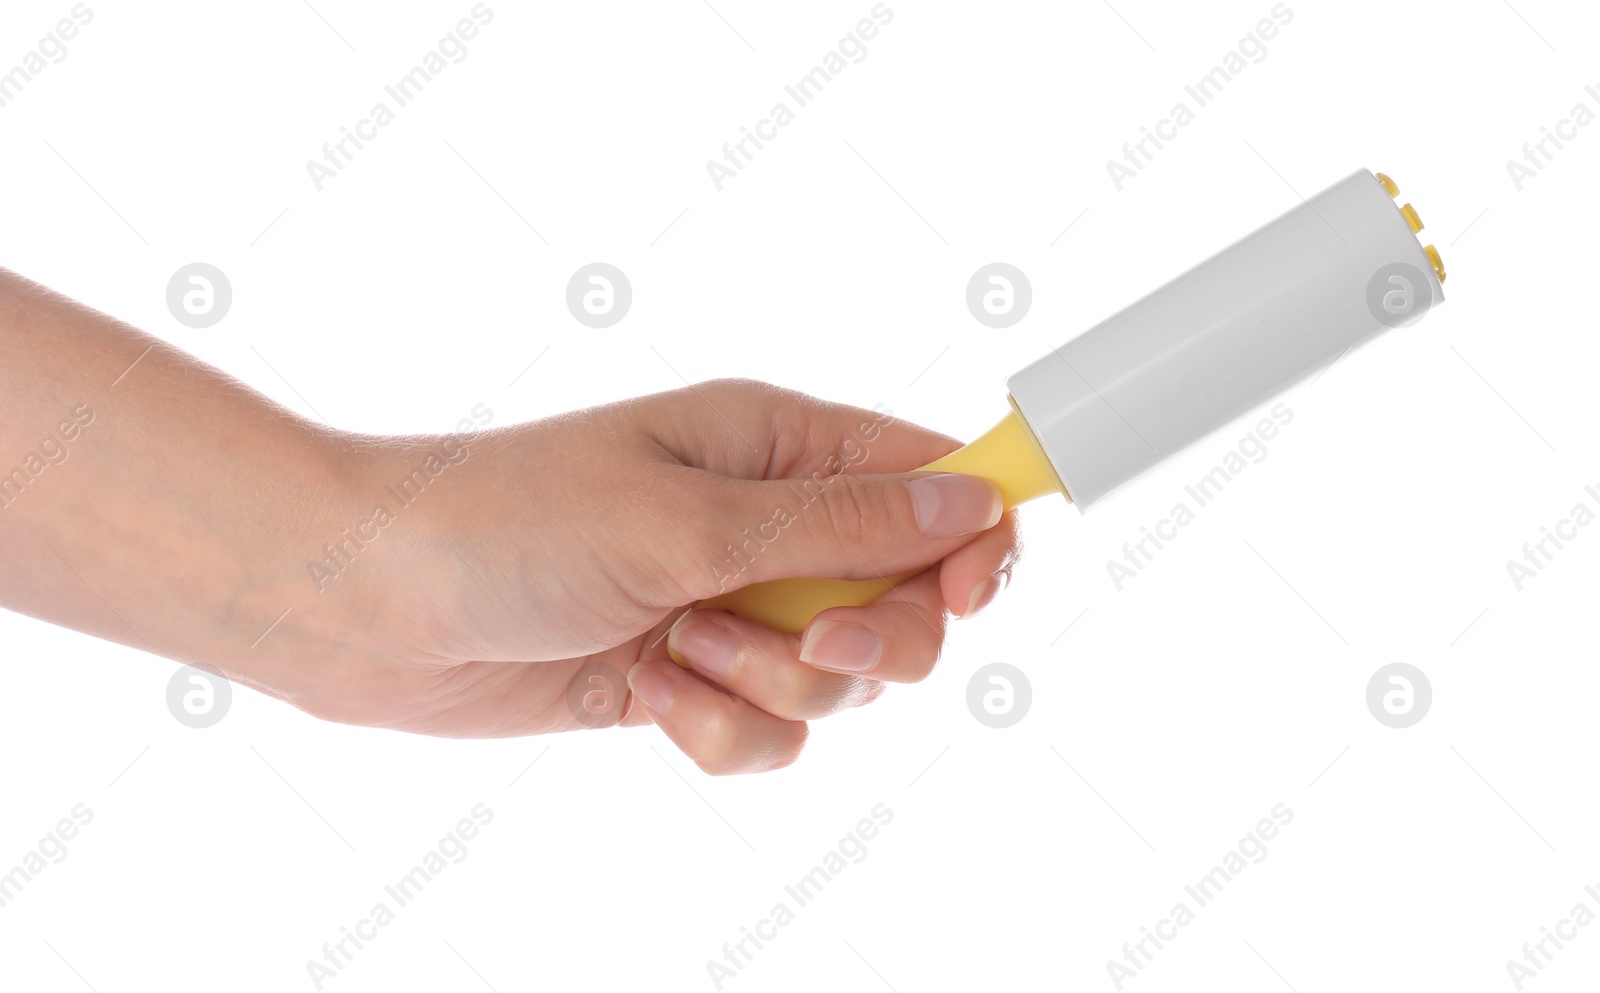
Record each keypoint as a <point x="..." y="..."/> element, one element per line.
<point x="856" y="509"/>
<point x="716" y="738"/>
<point x="708" y="558"/>
<point x="703" y="578"/>
<point x="724" y="768"/>
<point x="733" y="387"/>
<point x="921" y="668"/>
<point x="838" y="693"/>
<point x="791" y="693"/>
<point x="923" y="660"/>
<point x="787" y="752"/>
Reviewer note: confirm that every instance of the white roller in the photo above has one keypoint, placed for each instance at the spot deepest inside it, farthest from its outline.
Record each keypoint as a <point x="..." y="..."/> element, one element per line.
<point x="1236" y="330"/>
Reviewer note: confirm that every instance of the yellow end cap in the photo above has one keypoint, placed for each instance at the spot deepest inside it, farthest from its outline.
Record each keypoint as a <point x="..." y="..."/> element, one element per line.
<point x="1388" y="184"/>
<point x="1438" y="263"/>
<point x="1410" y="214"/>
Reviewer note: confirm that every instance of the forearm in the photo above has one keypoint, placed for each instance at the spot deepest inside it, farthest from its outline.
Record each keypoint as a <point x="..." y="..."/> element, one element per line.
<point x="145" y="497"/>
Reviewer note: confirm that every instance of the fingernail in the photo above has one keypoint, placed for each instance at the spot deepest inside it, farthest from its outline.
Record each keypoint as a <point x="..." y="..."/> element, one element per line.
<point x="840" y="647"/>
<point x="707" y="645"/>
<point x="985" y="592"/>
<point x="952" y="503"/>
<point x="653" y="685"/>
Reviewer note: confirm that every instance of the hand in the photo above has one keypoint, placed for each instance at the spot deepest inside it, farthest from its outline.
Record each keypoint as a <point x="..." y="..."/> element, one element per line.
<point x="547" y="560"/>
<point x="497" y="582"/>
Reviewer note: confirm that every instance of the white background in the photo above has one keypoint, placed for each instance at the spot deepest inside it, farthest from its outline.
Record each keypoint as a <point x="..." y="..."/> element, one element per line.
<point x="1221" y="681"/>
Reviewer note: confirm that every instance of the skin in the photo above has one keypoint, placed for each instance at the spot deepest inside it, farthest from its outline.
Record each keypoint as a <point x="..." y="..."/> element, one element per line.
<point x="545" y="563"/>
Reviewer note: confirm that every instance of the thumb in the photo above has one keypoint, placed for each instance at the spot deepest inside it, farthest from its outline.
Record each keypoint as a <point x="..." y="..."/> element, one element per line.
<point x="854" y="525"/>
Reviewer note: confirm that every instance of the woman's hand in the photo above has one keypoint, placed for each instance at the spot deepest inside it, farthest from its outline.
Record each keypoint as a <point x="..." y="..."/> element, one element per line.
<point x="511" y="581"/>
<point x="531" y="584"/>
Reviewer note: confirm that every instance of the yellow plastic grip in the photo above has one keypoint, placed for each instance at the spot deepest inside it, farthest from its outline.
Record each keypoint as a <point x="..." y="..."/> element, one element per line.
<point x="1007" y="455"/>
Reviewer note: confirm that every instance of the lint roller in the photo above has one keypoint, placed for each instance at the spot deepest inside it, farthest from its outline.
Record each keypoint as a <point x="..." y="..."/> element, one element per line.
<point x="1263" y="314"/>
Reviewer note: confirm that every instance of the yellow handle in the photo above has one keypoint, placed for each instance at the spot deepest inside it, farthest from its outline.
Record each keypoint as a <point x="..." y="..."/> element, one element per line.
<point x="1007" y="455"/>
